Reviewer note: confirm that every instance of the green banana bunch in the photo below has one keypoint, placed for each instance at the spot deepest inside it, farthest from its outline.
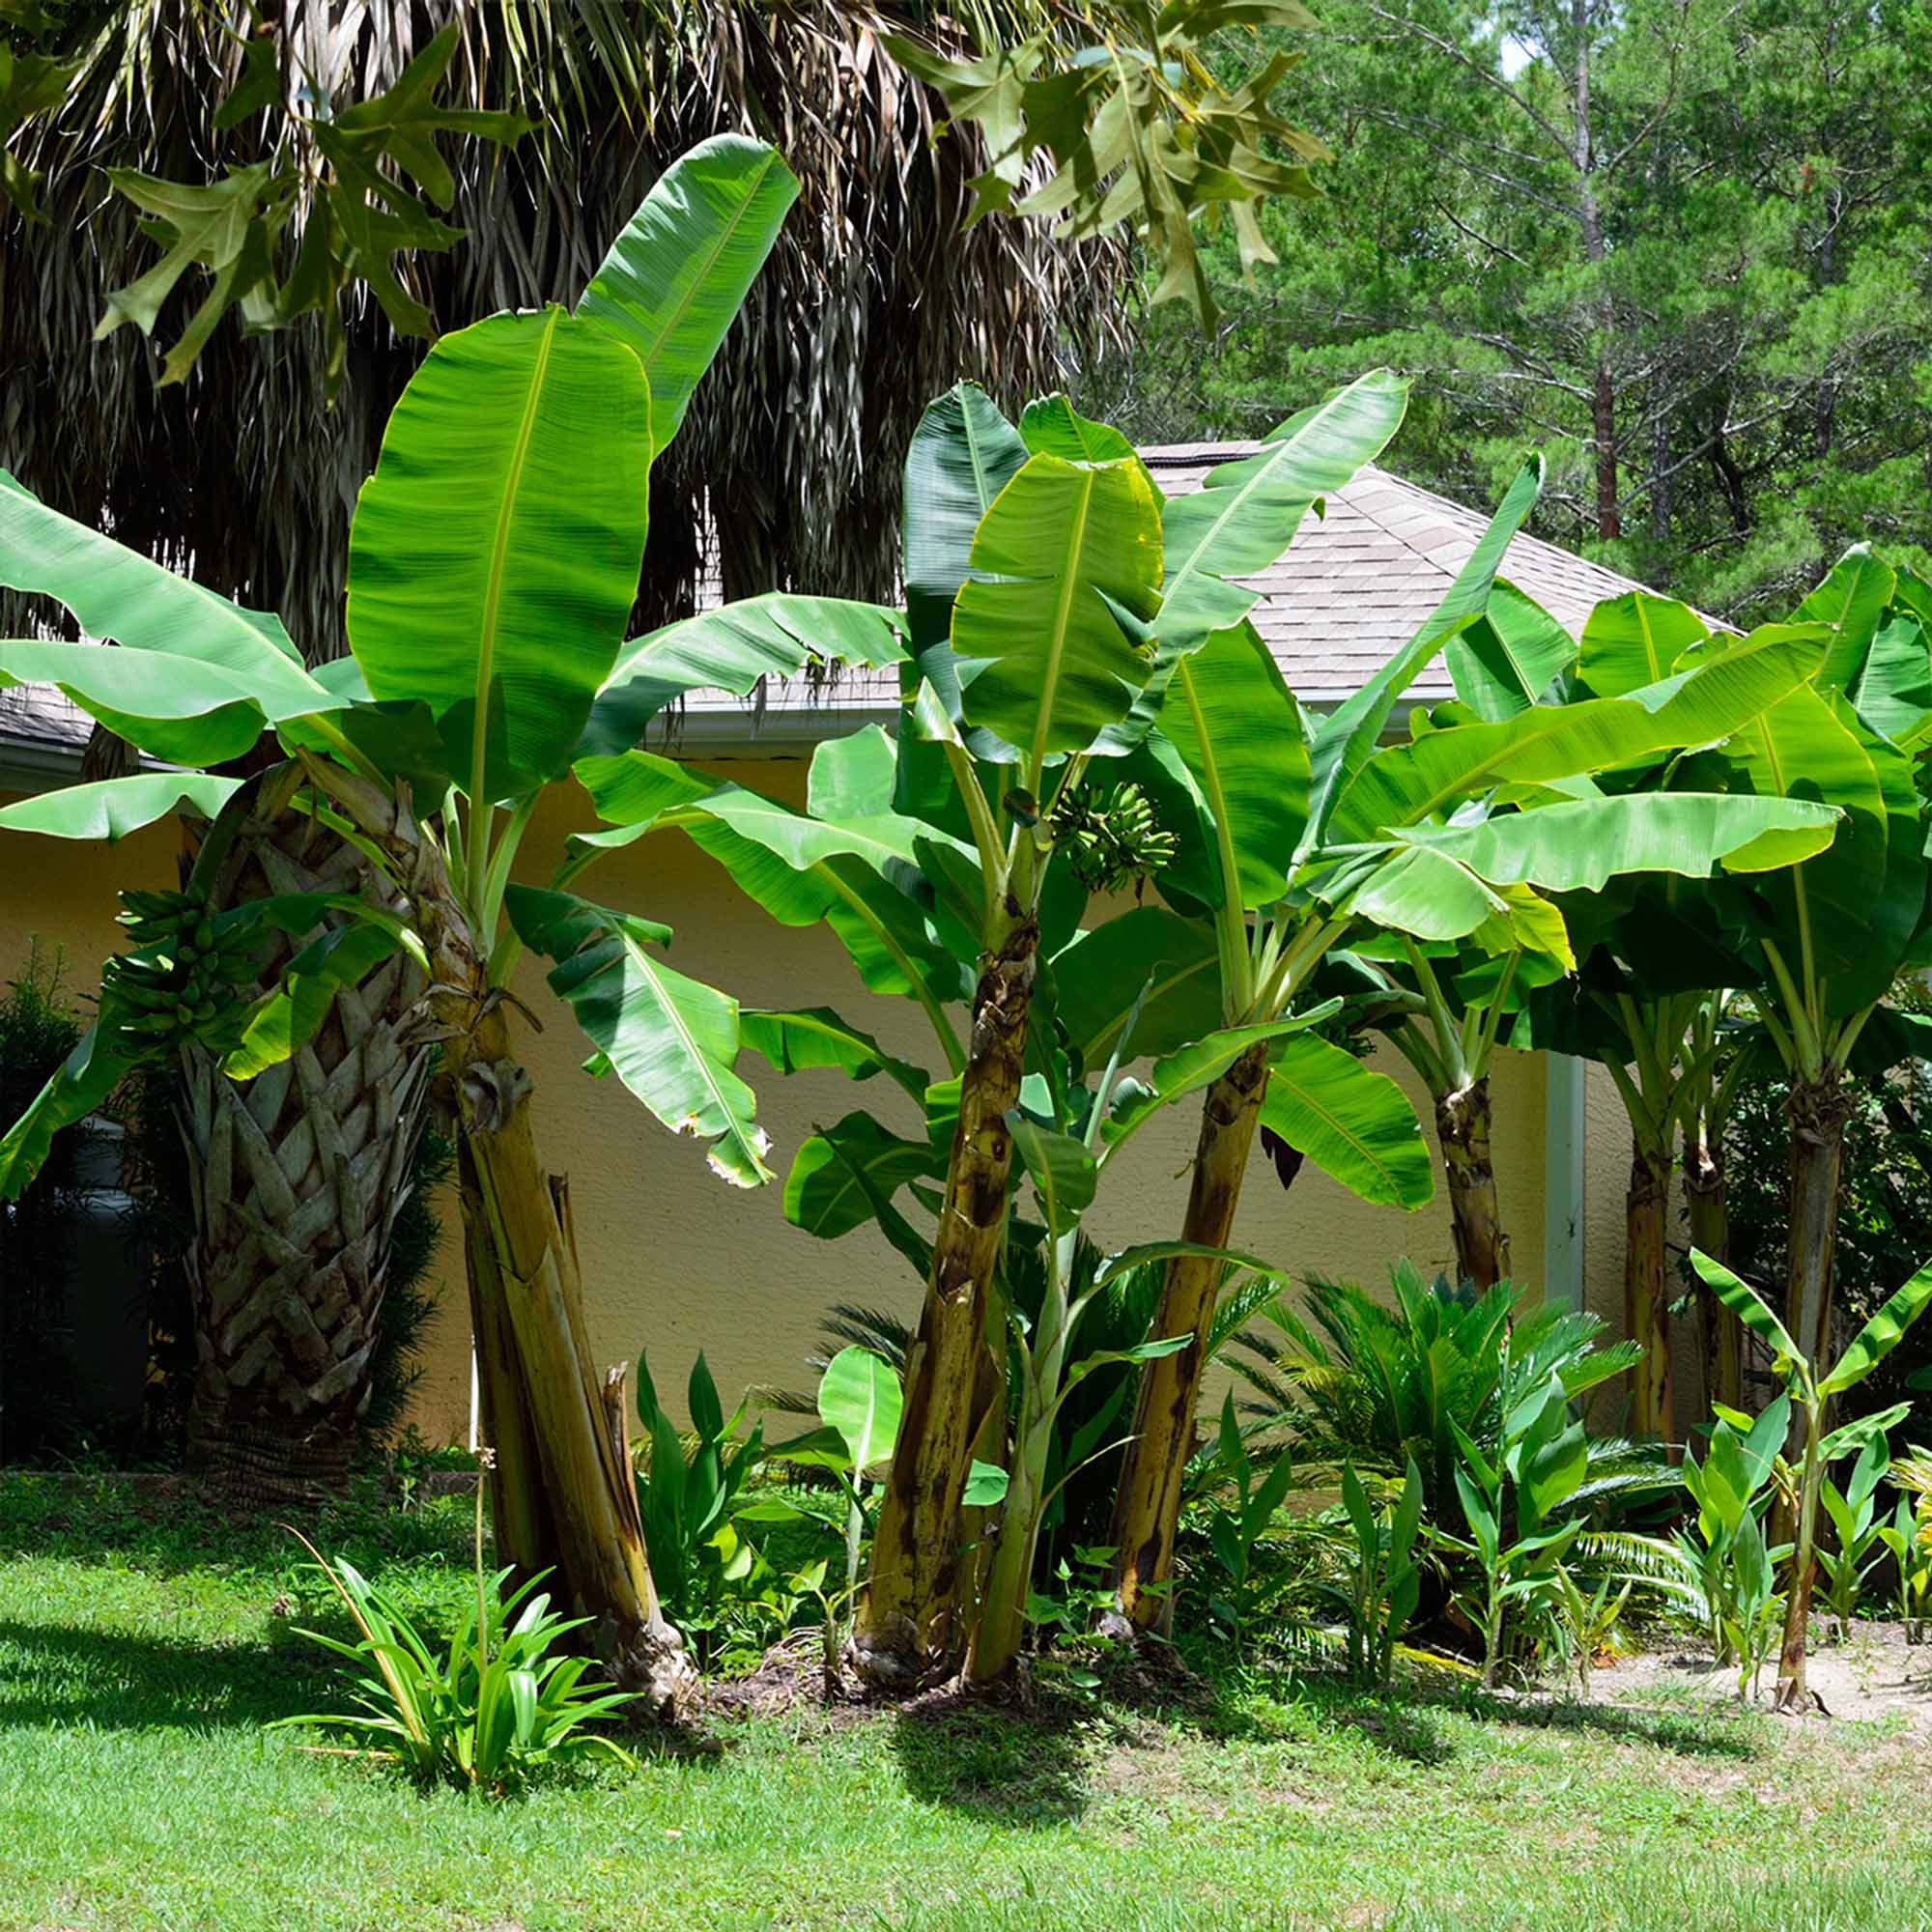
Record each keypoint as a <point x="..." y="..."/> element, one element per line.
<point x="1112" y="838"/>
<point x="180" y="980"/>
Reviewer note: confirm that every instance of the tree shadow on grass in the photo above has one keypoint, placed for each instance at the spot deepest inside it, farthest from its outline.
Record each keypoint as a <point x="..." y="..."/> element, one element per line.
<point x="168" y="1527"/>
<point x="53" y="1674"/>
<point x="1408" y="1723"/>
<point x="1025" y="1769"/>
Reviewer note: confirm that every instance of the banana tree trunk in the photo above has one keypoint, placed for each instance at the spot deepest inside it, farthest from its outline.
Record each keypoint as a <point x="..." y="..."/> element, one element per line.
<point x="1646" y="1290"/>
<point x="1721" y="1334"/>
<point x="1463" y="1129"/>
<point x="295" y="1180"/>
<point x="1818" y="1111"/>
<point x="562" y="1491"/>
<point x="1148" y="1510"/>
<point x="908" y="1630"/>
<point x="1792" y="1693"/>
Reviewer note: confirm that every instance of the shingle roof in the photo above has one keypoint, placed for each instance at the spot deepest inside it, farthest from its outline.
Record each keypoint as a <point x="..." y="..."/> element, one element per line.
<point x="1359" y="581"/>
<point x="1356" y="582"/>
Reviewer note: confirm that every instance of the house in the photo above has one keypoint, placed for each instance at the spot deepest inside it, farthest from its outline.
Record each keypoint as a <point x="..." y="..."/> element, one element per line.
<point x="672" y="1257"/>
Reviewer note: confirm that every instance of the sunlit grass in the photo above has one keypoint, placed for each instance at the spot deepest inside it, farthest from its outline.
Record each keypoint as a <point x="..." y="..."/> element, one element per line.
<point x="139" y="1657"/>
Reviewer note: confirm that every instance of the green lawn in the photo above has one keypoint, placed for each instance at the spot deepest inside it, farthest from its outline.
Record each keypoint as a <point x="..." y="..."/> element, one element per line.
<point x="140" y="1654"/>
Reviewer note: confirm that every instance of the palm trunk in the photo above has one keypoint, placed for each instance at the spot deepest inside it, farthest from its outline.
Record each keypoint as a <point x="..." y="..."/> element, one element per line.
<point x="1463" y="1129"/>
<point x="1720" y="1333"/>
<point x="563" y="1492"/>
<point x="1148" y="1510"/>
<point x="908" y="1630"/>
<point x="296" y="1180"/>
<point x="1646" y="1292"/>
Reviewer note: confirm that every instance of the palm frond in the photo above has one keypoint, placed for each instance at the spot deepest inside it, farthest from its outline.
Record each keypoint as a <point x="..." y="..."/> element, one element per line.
<point x="786" y="471"/>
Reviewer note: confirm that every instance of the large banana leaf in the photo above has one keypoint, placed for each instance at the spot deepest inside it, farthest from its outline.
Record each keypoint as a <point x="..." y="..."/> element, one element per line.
<point x="1404" y="785"/>
<point x="841" y="1174"/>
<point x="1246" y="513"/>
<point x="730" y="649"/>
<point x="1577" y="847"/>
<point x="1854" y="911"/>
<point x="1634" y="639"/>
<point x="1893" y="692"/>
<point x="673" y="282"/>
<point x="1195" y="1066"/>
<point x="962" y="455"/>
<point x="198" y="676"/>
<point x="1505" y="659"/>
<point x="800" y="869"/>
<point x="75" y="1090"/>
<point x="1068" y="558"/>
<point x="672" y="1040"/>
<point x="1348" y="736"/>
<point x="172" y="708"/>
<point x="815" y="1036"/>
<point x="495" y="553"/>
<point x="1850" y="603"/>
<point x="124" y="594"/>
<point x="1238" y="729"/>
<point x="1100" y="975"/>
<point x="1052" y="425"/>
<point x="1355" y="1124"/>
<point x="116" y="806"/>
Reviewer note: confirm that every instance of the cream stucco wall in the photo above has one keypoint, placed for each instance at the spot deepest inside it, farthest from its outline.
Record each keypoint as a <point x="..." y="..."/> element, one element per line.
<point x="675" y="1259"/>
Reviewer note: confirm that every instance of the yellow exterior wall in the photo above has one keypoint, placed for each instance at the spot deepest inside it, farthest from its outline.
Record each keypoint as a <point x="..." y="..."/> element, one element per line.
<point x="676" y="1260"/>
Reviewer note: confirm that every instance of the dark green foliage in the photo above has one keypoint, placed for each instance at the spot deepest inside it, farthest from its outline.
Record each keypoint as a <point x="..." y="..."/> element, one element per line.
<point x="1716" y="325"/>
<point x="38" y="1030"/>
<point x="684" y="1499"/>
<point x="1377" y="1385"/>
<point x="1885" y="1217"/>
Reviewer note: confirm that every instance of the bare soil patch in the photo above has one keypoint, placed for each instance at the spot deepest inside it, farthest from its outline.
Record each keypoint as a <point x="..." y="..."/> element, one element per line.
<point x="1873" y="1673"/>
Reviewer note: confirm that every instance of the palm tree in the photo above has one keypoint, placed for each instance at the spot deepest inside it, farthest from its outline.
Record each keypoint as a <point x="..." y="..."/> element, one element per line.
<point x="248" y="470"/>
<point x="874" y="300"/>
<point x="295" y="1180"/>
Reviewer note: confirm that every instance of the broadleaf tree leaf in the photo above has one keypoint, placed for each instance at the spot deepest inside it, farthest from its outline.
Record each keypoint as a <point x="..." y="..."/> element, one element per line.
<point x="493" y="556"/>
<point x="673" y="283"/>
<point x="113" y="807"/>
<point x="670" y="1040"/>
<point x="1355" y="1123"/>
<point x="860" y="1396"/>
<point x="1066" y="555"/>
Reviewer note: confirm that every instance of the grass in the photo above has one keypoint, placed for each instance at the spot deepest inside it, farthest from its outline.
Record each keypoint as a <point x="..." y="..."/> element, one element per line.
<point x="141" y="1651"/>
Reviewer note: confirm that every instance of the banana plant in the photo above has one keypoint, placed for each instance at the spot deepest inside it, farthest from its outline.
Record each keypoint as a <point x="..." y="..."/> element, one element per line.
<point x="1836" y="931"/>
<point x="1064" y="1160"/>
<point x="1908" y="1538"/>
<point x="493" y="563"/>
<point x="1854" y="1516"/>
<point x="1461" y="833"/>
<point x="1811" y="1386"/>
<point x="1540" y="1464"/>
<point x="1723" y="1544"/>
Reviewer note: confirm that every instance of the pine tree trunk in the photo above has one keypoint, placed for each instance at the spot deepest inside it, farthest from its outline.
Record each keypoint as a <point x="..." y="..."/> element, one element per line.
<point x="1463" y="1129"/>
<point x="563" y="1494"/>
<point x="1722" y="1335"/>
<point x="297" y="1179"/>
<point x="908" y="1630"/>
<point x="1148" y="1510"/>
<point x="1646" y="1290"/>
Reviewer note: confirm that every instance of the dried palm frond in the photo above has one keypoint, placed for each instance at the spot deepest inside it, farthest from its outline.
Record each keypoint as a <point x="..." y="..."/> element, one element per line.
<point x="875" y="298"/>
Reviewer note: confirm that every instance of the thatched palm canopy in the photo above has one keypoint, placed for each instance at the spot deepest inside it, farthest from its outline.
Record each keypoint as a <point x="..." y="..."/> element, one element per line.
<point x="874" y="300"/>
